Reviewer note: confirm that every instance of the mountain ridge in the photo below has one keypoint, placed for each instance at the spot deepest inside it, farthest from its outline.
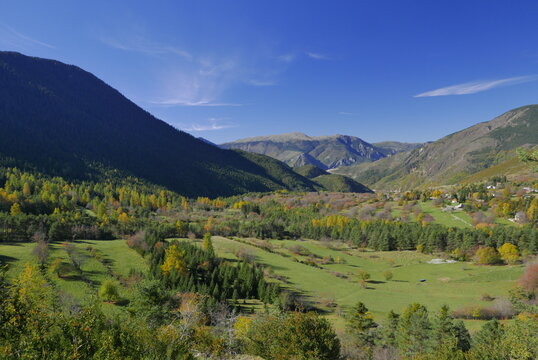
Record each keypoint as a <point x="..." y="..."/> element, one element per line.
<point x="326" y="152"/>
<point x="74" y="125"/>
<point x="455" y="156"/>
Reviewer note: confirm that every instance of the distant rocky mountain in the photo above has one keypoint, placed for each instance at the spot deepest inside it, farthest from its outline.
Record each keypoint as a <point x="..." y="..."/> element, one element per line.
<point x="389" y="148"/>
<point x="325" y="152"/>
<point x="454" y="157"/>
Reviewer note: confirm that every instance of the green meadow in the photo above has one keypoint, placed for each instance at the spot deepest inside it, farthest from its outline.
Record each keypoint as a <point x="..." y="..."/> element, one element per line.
<point x="331" y="287"/>
<point x="456" y="285"/>
<point x="111" y="260"/>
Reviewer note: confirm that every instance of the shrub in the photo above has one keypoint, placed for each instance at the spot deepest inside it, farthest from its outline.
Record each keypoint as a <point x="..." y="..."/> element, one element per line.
<point x="363" y="278"/>
<point x="245" y="255"/>
<point x="529" y="280"/>
<point x="460" y="254"/>
<point x="387" y="274"/>
<point x="487" y="256"/>
<point x="58" y="267"/>
<point x="109" y="291"/>
<point x="363" y="275"/>
<point x="500" y="309"/>
<point x="299" y="250"/>
<point x="292" y="336"/>
<point x="137" y="242"/>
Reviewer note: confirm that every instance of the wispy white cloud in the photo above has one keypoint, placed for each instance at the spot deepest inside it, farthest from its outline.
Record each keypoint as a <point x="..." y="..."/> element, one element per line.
<point x="317" y="56"/>
<point x="287" y="58"/>
<point x="182" y="102"/>
<point x="201" y="82"/>
<point x="477" y="86"/>
<point x="256" y="82"/>
<point x="14" y="38"/>
<point x="212" y="125"/>
<point x="185" y="77"/>
<point x="141" y="45"/>
<point x="344" y="113"/>
<point x="182" y="78"/>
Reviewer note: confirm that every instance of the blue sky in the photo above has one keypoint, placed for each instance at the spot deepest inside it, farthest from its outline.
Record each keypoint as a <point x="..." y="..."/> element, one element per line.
<point x="379" y="70"/>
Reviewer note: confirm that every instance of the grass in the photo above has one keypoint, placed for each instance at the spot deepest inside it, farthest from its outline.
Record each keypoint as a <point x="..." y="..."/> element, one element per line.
<point x="15" y="255"/>
<point x="75" y="286"/>
<point x="454" y="219"/>
<point x="455" y="285"/>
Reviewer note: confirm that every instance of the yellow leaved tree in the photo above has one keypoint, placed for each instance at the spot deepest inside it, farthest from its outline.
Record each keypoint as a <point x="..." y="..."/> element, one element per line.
<point x="509" y="253"/>
<point x="174" y="260"/>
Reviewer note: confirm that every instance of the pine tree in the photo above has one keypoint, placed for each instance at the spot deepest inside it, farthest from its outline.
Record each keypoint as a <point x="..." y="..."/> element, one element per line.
<point x="414" y="331"/>
<point x="390" y="329"/>
<point x="360" y="325"/>
<point x="487" y="342"/>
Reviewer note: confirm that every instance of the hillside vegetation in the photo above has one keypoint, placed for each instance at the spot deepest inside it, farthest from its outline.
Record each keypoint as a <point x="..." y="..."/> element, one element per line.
<point x="330" y="182"/>
<point x="453" y="158"/>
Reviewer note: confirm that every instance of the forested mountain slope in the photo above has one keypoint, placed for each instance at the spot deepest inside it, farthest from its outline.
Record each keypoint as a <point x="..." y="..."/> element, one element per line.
<point x="330" y="182"/>
<point x="454" y="157"/>
<point x="62" y="120"/>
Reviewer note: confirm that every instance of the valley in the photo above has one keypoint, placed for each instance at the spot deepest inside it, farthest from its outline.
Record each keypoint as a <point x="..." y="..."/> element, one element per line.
<point x="122" y="237"/>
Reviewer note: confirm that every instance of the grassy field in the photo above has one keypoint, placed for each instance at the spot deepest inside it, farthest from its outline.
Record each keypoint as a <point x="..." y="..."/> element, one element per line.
<point x="457" y="218"/>
<point x="116" y="259"/>
<point x="456" y="285"/>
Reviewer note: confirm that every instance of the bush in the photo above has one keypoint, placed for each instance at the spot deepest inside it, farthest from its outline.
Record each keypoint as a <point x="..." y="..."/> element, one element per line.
<point x="363" y="278"/>
<point x="529" y="280"/>
<point x="299" y="250"/>
<point x="387" y="274"/>
<point x="487" y="256"/>
<point x="109" y="291"/>
<point x="296" y="335"/>
<point x="363" y="275"/>
<point x="500" y="309"/>
<point x="245" y="255"/>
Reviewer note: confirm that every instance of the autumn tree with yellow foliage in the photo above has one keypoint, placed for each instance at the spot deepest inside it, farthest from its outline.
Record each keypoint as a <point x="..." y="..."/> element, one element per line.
<point x="174" y="260"/>
<point x="509" y="253"/>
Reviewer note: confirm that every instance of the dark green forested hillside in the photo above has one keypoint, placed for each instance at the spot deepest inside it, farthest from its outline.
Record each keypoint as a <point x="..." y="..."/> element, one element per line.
<point x="310" y="171"/>
<point x="61" y="120"/>
<point x="330" y="182"/>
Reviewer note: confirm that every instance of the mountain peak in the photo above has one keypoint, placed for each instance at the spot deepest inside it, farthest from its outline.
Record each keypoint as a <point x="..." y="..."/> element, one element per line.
<point x="297" y="149"/>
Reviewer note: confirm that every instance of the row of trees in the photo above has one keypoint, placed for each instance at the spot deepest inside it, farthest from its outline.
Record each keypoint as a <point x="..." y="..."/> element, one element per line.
<point x="417" y="334"/>
<point x="278" y="222"/>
